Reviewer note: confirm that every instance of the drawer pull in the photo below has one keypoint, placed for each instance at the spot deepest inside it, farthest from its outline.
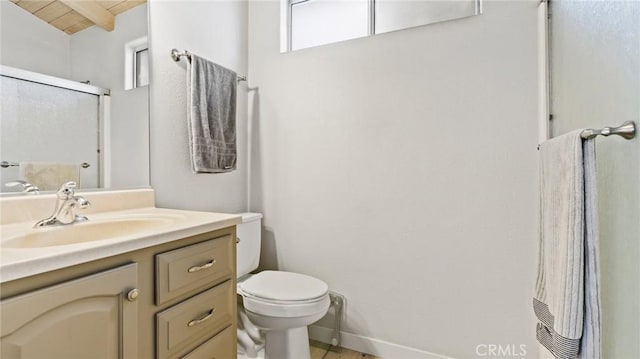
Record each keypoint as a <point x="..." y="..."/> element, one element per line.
<point x="198" y="321"/>
<point x="209" y="264"/>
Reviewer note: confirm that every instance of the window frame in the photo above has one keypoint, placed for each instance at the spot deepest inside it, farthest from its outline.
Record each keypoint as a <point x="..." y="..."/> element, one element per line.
<point x="131" y="49"/>
<point x="135" y="65"/>
<point x="371" y="17"/>
<point x="286" y="21"/>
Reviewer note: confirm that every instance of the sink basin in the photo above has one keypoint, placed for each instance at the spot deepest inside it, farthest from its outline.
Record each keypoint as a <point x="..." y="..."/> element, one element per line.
<point x="89" y="231"/>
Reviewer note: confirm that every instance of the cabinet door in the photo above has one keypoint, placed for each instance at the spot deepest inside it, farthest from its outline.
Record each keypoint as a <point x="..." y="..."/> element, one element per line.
<point x="89" y="317"/>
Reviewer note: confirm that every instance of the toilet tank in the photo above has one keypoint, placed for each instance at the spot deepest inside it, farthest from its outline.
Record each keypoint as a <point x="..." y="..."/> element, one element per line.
<point x="248" y="248"/>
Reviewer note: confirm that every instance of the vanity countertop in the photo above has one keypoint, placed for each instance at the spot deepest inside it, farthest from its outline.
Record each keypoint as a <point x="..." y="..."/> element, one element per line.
<point x="26" y="251"/>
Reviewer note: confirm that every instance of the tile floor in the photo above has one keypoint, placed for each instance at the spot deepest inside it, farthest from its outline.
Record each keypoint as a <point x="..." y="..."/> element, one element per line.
<point x="320" y="351"/>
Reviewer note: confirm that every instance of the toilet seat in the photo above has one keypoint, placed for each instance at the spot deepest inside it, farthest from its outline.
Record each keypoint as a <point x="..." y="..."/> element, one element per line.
<point x="285" y="309"/>
<point x="284" y="294"/>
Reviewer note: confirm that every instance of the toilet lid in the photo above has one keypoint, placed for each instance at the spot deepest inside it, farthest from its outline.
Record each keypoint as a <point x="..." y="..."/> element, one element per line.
<point x="284" y="286"/>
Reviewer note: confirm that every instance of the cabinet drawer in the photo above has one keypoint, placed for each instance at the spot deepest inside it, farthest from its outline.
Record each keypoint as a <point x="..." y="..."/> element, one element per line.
<point x="193" y="267"/>
<point x="193" y="319"/>
<point x="222" y="346"/>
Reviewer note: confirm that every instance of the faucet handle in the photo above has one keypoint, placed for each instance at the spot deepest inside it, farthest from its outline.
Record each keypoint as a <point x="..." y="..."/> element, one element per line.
<point x="83" y="203"/>
<point x="66" y="190"/>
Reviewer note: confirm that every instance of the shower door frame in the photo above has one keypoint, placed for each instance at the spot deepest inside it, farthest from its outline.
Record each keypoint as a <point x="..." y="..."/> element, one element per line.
<point x="104" y="169"/>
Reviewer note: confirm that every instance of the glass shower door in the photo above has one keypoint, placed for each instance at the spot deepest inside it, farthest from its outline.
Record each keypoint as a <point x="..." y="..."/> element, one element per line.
<point x="42" y="124"/>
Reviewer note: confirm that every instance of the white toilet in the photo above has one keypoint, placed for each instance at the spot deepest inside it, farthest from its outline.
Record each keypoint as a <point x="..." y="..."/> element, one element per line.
<point x="281" y="304"/>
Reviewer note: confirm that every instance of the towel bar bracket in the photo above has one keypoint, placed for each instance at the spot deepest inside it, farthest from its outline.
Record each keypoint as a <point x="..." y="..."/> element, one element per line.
<point x="626" y="130"/>
<point x="176" y="55"/>
<point x="5" y="164"/>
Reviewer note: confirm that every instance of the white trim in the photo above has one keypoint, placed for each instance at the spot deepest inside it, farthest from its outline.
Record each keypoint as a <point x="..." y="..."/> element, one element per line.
<point x="371" y="17"/>
<point x="544" y="130"/>
<point x="285" y="28"/>
<point x="25" y="75"/>
<point x="372" y="346"/>
<point x="104" y="171"/>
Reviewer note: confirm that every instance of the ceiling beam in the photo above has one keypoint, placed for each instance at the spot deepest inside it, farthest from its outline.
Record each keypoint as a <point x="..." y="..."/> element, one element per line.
<point x="92" y="11"/>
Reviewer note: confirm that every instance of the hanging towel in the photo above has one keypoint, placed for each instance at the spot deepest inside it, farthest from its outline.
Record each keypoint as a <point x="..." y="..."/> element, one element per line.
<point x="567" y="296"/>
<point x="48" y="176"/>
<point x="211" y="116"/>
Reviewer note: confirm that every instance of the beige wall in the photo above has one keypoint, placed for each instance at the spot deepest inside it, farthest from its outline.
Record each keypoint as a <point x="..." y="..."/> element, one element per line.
<point x="215" y="30"/>
<point x="401" y="169"/>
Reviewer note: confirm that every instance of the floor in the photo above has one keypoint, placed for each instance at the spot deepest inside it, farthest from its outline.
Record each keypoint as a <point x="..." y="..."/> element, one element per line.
<point x="320" y="351"/>
<point x="325" y="351"/>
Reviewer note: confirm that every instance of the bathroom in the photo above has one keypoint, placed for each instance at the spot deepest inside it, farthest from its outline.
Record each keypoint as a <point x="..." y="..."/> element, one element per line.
<point x="402" y="168"/>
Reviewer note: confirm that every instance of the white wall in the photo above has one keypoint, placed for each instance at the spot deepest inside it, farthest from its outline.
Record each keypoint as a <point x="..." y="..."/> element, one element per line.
<point x="29" y="43"/>
<point x="595" y="83"/>
<point x="98" y="56"/>
<point x="216" y="30"/>
<point x="401" y="169"/>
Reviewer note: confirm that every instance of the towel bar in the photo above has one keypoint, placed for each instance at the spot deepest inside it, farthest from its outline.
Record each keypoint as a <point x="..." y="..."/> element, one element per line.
<point x="5" y="164"/>
<point x="176" y="55"/>
<point x="627" y="130"/>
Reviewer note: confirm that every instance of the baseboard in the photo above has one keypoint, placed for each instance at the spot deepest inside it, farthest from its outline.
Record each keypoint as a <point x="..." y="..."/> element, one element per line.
<point x="379" y="348"/>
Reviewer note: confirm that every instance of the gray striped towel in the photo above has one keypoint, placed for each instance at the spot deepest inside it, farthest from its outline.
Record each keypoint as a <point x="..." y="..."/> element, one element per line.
<point x="567" y="298"/>
<point x="211" y="116"/>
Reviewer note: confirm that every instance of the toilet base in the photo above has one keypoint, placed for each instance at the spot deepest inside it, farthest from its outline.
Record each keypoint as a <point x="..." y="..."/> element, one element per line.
<point x="287" y="344"/>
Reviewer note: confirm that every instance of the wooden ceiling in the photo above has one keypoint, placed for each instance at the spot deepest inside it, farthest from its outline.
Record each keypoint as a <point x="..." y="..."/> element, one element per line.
<point x="72" y="16"/>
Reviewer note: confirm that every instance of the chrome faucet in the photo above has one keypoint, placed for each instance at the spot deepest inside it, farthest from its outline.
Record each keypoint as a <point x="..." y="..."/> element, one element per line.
<point x="66" y="206"/>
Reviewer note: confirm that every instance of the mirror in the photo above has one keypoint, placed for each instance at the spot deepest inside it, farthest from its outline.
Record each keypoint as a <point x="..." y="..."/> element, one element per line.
<point x="309" y="23"/>
<point x="75" y="94"/>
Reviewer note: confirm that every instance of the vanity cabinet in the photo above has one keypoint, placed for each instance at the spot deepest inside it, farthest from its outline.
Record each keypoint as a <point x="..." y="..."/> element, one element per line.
<point x="173" y="300"/>
<point x="186" y="325"/>
<point x="90" y="317"/>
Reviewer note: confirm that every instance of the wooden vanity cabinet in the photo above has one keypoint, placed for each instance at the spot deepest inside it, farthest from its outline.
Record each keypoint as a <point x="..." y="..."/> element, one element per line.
<point x="87" y="317"/>
<point x="196" y="319"/>
<point x="174" y="300"/>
